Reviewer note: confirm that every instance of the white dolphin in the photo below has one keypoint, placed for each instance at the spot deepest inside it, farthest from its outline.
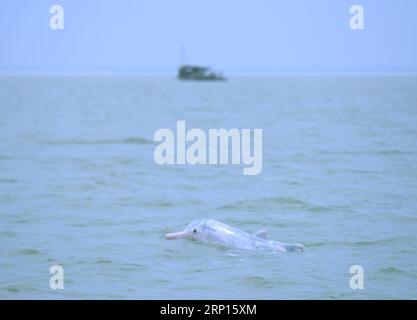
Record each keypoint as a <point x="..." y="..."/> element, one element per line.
<point x="209" y="230"/>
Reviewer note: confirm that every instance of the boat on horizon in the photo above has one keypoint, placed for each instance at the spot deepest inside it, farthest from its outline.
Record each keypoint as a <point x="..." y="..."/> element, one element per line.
<point x="195" y="72"/>
<point x="199" y="73"/>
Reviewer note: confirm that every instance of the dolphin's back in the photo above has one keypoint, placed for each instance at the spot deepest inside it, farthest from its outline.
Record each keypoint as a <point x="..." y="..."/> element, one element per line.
<point x="215" y="231"/>
<point x="218" y="232"/>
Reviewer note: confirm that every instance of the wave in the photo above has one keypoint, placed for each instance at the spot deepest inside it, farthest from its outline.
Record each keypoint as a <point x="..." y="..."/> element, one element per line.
<point x="391" y="270"/>
<point x="397" y="271"/>
<point x="8" y="180"/>
<point x="357" y="243"/>
<point x="387" y="152"/>
<point x="30" y="251"/>
<point x="264" y="202"/>
<point x="8" y="234"/>
<point x="288" y="203"/>
<point x="130" y="140"/>
<point x="103" y="261"/>
<point x="12" y="289"/>
<point x="258" y="281"/>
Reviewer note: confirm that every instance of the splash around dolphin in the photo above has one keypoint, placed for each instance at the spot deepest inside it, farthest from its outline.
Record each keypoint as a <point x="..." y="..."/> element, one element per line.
<point x="212" y="231"/>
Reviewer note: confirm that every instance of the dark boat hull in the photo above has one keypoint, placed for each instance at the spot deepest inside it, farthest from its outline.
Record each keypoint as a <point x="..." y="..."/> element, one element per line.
<point x="198" y="73"/>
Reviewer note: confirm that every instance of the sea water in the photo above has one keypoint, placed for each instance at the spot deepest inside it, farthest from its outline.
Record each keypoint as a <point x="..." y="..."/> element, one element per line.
<point x="79" y="188"/>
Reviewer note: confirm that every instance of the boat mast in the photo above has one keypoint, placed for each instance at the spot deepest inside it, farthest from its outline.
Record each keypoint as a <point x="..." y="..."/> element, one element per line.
<point x="183" y="56"/>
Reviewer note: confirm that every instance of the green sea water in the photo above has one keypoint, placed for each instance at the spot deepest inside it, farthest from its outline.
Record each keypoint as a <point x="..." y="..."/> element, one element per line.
<point x="79" y="188"/>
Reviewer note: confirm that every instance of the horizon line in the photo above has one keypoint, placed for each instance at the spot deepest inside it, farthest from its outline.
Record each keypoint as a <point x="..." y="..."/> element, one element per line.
<point x="227" y="71"/>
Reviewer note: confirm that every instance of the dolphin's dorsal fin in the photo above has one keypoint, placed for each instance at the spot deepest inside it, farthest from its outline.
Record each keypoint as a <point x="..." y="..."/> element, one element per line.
<point x="260" y="234"/>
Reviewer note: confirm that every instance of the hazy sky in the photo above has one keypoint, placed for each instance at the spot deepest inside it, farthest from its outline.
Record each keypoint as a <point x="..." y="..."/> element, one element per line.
<point x="236" y="36"/>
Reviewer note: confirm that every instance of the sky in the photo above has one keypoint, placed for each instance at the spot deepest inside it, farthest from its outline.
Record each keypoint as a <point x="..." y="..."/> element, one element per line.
<point x="234" y="36"/>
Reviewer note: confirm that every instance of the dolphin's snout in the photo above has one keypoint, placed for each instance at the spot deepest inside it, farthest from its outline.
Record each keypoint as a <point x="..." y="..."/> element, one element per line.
<point x="177" y="235"/>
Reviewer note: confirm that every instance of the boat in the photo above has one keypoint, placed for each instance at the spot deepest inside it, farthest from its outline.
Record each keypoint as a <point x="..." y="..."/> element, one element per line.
<point x="194" y="72"/>
<point x="189" y="71"/>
